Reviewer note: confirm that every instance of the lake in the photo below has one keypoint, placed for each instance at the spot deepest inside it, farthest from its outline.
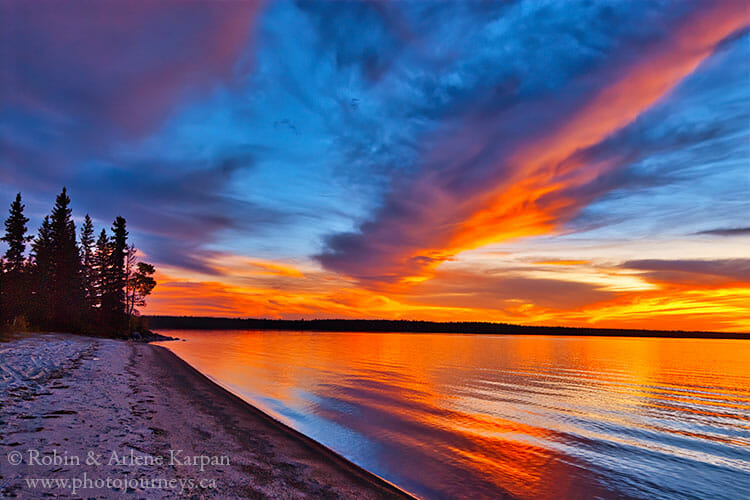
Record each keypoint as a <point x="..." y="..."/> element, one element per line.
<point x="494" y="416"/>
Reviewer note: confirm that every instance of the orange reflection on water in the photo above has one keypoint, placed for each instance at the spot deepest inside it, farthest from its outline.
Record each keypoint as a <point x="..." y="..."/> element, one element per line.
<point x="487" y="416"/>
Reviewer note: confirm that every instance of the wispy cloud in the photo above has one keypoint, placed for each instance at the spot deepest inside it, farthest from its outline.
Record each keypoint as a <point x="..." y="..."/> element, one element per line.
<point x="729" y="231"/>
<point x="356" y="158"/>
<point x="519" y="171"/>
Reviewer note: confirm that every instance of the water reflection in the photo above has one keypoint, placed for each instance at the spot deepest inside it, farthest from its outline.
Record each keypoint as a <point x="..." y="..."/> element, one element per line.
<point x="465" y="416"/>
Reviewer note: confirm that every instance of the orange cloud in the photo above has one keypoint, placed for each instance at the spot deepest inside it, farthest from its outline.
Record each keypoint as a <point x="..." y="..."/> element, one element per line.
<point x="226" y="264"/>
<point x="320" y="296"/>
<point x="533" y="200"/>
<point x="278" y="269"/>
<point x="722" y="309"/>
<point x="466" y="201"/>
<point x="515" y="295"/>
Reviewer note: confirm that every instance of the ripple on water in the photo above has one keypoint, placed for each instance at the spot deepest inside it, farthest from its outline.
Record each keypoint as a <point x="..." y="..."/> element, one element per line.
<point x="470" y="416"/>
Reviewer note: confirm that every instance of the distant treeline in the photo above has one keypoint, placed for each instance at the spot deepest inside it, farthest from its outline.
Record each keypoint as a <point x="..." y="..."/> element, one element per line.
<point x="406" y="326"/>
<point x="66" y="283"/>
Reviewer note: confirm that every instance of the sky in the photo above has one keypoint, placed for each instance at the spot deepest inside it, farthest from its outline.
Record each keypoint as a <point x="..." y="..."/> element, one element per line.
<point x="536" y="162"/>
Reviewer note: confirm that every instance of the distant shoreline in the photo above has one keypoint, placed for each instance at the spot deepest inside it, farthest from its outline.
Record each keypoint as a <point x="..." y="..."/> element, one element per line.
<point x="406" y="326"/>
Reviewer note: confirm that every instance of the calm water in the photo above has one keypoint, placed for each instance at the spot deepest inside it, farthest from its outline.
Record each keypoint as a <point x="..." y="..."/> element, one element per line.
<point x="469" y="416"/>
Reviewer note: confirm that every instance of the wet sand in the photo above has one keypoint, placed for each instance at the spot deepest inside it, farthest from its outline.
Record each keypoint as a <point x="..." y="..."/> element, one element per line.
<point x="122" y="419"/>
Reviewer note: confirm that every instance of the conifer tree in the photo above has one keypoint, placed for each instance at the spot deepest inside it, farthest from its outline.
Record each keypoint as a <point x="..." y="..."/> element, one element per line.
<point x="42" y="245"/>
<point x="15" y="237"/>
<point x="117" y="282"/>
<point x="14" y="292"/>
<point x="66" y="289"/>
<point x="87" y="258"/>
<point x="101" y="266"/>
<point x="41" y="275"/>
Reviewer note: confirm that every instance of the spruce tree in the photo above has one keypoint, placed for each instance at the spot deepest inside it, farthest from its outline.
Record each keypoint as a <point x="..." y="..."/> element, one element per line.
<point x="41" y="275"/>
<point x="87" y="257"/>
<point x="15" y="237"/>
<point x="42" y="245"/>
<point x="67" y="293"/>
<point x="118" y="278"/>
<point x="15" y="292"/>
<point x="100" y="273"/>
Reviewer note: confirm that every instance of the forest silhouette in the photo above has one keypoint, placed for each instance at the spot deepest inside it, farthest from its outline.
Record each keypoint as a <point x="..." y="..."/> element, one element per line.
<point x="414" y="326"/>
<point x="68" y="283"/>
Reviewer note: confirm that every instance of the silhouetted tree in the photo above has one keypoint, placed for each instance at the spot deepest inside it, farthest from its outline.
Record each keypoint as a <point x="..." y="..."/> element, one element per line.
<point x="117" y="279"/>
<point x="15" y="237"/>
<point x="92" y="287"/>
<point x="100" y="269"/>
<point x="67" y="292"/>
<point x="87" y="258"/>
<point x="41" y="275"/>
<point x="131" y="258"/>
<point x="14" y="290"/>
<point x="140" y="283"/>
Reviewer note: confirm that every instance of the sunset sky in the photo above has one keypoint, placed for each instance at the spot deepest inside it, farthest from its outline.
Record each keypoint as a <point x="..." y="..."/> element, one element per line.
<point x="534" y="162"/>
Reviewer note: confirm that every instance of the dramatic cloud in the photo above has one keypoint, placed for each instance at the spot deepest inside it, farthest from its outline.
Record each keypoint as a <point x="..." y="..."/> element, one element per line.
<point x="513" y="173"/>
<point x="531" y="161"/>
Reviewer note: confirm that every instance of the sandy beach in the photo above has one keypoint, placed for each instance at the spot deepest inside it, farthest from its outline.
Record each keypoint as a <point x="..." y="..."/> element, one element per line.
<point x="84" y="417"/>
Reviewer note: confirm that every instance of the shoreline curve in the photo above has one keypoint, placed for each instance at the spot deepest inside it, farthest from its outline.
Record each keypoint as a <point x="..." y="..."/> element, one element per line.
<point x="183" y="373"/>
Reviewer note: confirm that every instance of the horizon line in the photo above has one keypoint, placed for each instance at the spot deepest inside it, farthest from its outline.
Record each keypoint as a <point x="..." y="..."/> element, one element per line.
<point x="509" y="327"/>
